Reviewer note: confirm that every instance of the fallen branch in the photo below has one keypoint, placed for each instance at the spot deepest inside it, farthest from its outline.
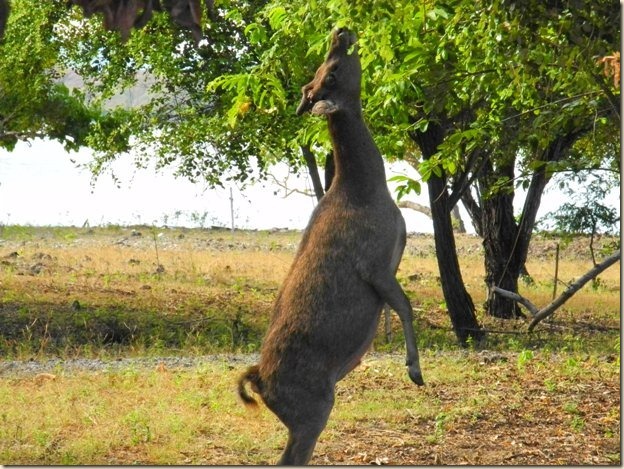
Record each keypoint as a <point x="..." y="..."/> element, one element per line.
<point x="539" y="315"/>
<point x="518" y="299"/>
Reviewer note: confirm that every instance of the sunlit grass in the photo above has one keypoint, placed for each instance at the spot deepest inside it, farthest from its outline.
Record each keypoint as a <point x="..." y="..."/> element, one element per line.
<point x="168" y="416"/>
<point x="144" y="290"/>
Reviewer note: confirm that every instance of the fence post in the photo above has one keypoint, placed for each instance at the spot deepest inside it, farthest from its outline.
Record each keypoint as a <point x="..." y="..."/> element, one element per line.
<point x="556" y="272"/>
<point x="232" y="208"/>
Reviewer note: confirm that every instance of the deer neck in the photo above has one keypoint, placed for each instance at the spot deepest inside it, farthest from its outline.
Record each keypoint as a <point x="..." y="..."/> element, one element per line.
<point x="359" y="166"/>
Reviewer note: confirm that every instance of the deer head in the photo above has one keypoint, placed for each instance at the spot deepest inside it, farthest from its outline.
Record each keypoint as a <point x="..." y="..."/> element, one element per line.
<point x="336" y="84"/>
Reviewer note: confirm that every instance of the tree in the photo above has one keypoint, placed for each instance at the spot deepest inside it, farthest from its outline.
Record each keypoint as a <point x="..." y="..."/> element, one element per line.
<point x="564" y="122"/>
<point x="295" y="27"/>
<point x="33" y="101"/>
<point x="585" y="213"/>
<point x="189" y="120"/>
<point x="476" y="92"/>
<point x="441" y="74"/>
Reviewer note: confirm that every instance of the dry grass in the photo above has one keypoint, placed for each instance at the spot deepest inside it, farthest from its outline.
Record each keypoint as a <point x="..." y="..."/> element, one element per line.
<point x="195" y="291"/>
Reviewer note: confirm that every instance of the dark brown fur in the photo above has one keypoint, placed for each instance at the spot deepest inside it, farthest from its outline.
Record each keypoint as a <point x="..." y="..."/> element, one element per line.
<point x="327" y="310"/>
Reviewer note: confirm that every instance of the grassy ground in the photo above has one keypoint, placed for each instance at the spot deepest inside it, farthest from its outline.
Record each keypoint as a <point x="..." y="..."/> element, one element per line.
<point x="527" y="408"/>
<point x="110" y="291"/>
<point x="551" y="397"/>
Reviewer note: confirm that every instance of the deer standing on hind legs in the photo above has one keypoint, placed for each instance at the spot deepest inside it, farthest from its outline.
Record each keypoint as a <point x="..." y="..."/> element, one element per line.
<point x="326" y="313"/>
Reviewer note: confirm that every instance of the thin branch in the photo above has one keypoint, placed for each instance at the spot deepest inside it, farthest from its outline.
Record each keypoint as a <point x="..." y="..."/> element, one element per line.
<point x="415" y="206"/>
<point x="463" y="182"/>
<point x="21" y="135"/>
<point x="467" y="74"/>
<point x="287" y="190"/>
<point x="562" y="100"/>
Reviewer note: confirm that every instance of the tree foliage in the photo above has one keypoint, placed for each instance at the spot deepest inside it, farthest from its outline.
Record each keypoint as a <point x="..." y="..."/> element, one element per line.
<point x="33" y="100"/>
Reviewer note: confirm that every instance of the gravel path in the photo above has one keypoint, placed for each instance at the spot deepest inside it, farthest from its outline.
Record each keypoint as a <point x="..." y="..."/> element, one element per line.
<point x="18" y="368"/>
<point x="25" y="368"/>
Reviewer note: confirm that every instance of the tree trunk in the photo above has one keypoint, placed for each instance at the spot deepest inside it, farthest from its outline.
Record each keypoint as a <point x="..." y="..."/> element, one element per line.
<point x="330" y="170"/>
<point x="458" y="302"/>
<point x="500" y="237"/>
<point x="457" y="220"/>
<point x="505" y="241"/>
<point x="308" y="156"/>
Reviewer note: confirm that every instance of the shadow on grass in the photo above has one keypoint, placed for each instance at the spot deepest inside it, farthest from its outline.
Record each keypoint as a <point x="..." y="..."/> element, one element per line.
<point x="52" y="329"/>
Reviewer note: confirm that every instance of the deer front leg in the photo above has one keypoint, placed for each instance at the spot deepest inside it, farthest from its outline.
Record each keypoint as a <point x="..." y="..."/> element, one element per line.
<point x="388" y="288"/>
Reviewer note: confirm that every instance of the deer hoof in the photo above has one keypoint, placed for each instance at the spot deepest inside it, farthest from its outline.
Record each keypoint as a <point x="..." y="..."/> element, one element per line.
<point x="416" y="376"/>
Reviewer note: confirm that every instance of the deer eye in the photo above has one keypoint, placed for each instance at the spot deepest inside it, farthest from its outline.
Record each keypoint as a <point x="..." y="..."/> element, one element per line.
<point x="330" y="80"/>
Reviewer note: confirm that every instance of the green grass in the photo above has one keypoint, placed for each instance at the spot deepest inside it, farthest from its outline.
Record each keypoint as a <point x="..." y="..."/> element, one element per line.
<point x="551" y="397"/>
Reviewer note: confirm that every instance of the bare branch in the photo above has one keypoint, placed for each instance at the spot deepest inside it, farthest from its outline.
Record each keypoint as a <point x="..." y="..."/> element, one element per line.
<point x="518" y="298"/>
<point x="573" y="288"/>
<point x="539" y="315"/>
<point x="415" y="206"/>
<point x="288" y="190"/>
<point x="21" y="135"/>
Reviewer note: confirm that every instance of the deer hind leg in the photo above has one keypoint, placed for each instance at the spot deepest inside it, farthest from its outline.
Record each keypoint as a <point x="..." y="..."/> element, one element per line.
<point x="305" y="415"/>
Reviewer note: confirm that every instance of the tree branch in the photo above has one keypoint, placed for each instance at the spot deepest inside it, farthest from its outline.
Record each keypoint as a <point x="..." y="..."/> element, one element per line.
<point x="287" y="190"/>
<point x="517" y="298"/>
<point x="308" y="156"/>
<point x="465" y="180"/>
<point x="573" y="288"/>
<point x="415" y="206"/>
<point x="474" y="210"/>
<point x="539" y="315"/>
<point x="21" y="135"/>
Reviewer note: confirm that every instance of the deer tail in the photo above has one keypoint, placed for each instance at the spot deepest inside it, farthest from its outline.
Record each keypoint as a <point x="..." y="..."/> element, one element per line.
<point x="251" y="376"/>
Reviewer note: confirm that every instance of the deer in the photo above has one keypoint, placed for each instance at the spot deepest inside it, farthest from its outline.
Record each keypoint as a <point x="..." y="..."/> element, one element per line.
<point x="328" y="308"/>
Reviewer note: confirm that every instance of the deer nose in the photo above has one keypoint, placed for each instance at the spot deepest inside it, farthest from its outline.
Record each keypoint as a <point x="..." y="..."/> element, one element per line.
<point x="342" y="33"/>
<point x="344" y="37"/>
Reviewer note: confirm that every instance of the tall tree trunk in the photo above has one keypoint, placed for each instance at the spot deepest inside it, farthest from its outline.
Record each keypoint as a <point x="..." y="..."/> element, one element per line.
<point x="506" y="242"/>
<point x="458" y="302"/>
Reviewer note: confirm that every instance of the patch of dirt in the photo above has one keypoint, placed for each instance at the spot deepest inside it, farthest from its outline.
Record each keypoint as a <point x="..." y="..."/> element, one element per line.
<point x="574" y="423"/>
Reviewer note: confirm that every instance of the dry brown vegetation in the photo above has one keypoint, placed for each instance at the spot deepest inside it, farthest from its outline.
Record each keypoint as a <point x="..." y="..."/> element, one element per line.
<point x="213" y="289"/>
<point x="551" y="397"/>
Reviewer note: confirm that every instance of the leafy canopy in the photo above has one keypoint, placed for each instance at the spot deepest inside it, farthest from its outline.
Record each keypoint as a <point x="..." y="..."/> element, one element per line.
<point x="33" y="100"/>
